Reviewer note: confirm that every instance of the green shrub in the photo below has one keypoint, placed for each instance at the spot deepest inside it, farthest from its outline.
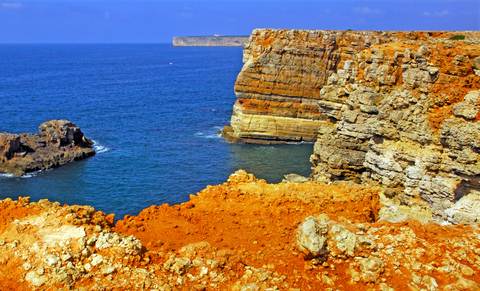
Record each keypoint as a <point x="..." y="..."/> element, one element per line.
<point x="458" y="37"/>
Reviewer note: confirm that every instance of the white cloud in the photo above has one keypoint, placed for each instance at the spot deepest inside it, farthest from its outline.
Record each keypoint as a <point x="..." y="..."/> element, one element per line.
<point x="440" y="13"/>
<point x="11" y="5"/>
<point x="367" y="10"/>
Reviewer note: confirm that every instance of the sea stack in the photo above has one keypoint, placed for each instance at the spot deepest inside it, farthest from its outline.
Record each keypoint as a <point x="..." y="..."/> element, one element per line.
<point x="57" y="143"/>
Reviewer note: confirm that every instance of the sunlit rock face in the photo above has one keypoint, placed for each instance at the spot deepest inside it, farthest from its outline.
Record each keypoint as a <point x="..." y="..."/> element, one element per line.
<point x="396" y="108"/>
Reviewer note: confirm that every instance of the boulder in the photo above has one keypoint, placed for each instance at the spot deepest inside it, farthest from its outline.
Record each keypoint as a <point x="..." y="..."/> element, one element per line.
<point x="312" y="236"/>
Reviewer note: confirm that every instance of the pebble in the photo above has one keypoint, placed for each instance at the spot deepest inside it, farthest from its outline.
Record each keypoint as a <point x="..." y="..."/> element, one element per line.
<point x="108" y="270"/>
<point x="466" y="270"/>
<point x="66" y="257"/>
<point x="26" y="266"/>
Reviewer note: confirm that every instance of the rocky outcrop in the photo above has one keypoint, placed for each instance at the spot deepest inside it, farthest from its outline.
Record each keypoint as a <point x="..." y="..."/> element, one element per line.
<point x="400" y="109"/>
<point x="58" y="142"/>
<point x="408" y="121"/>
<point x="371" y="253"/>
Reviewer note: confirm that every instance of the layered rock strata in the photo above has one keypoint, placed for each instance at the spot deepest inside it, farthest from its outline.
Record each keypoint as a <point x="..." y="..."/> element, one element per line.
<point x="397" y="108"/>
<point x="58" y="142"/>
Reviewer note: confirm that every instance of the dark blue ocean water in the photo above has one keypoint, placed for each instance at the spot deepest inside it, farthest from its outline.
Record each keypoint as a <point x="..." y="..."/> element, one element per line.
<point x="153" y="110"/>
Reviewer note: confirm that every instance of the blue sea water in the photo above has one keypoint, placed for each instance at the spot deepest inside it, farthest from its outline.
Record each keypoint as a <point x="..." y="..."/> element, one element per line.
<point x="154" y="112"/>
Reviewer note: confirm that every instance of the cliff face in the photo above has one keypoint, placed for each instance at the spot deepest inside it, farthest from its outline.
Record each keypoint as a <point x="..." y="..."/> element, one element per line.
<point x="209" y="40"/>
<point x="58" y="142"/>
<point x="395" y="108"/>
<point x="278" y="89"/>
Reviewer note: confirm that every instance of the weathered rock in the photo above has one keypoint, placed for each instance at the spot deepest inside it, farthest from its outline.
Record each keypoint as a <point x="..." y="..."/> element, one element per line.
<point x="312" y="236"/>
<point x="465" y="210"/>
<point x="35" y="279"/>
<point x="246" y="222"/>
<point x="58" y="142"/>
<point x="295" y="178"/>
<point x="400" y="109"/>
<point x="370" y="268"/>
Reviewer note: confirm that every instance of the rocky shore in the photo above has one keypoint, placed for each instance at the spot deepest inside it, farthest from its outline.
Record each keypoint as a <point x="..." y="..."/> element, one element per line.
<point x="245" y="234"/>
<point x="57" y="143"/>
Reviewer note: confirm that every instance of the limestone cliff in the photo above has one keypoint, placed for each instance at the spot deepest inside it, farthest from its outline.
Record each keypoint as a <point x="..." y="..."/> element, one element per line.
<point x="396" y="108"/>
<point x="216" y="40"/>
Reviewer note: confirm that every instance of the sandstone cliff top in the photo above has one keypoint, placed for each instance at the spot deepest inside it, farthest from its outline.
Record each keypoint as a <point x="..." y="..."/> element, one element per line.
<point x="241" y="234"/>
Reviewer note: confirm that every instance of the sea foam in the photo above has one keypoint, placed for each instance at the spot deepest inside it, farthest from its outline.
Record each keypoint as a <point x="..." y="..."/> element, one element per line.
<point x="211" y="133"/>
<point x="99" y="148"/>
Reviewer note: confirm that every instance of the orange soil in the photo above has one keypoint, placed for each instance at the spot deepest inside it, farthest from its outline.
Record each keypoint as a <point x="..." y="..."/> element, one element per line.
<point x="455" y="81"/>
<point x="11" y="210"/>
<point x="257" y="220"/>
<point x="10" y="269"/>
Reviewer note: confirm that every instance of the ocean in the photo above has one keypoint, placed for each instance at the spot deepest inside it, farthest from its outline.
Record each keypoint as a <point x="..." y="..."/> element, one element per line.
<point x="154" y="112"/>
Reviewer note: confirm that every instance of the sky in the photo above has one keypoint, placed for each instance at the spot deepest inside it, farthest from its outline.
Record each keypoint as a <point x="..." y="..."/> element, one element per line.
<point x="142" y="21"/>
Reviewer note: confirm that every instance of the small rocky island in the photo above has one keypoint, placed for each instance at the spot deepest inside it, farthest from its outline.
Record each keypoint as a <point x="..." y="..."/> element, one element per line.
<point x="57" y="143"/>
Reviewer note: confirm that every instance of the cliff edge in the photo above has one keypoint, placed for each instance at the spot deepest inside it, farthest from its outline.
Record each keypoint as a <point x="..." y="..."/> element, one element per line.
<point x="244" y="234"/>
<point x="400" y="109"/>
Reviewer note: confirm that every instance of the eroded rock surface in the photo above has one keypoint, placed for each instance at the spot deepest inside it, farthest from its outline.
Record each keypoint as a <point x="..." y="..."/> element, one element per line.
<point x="400" y="109"/>
<point x="245" y="234"/>
<point x="58" y="142"/>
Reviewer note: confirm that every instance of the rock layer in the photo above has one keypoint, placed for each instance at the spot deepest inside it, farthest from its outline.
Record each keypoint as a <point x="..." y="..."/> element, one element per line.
<point x="58" y="142"/>
<point x="401" y="109"/>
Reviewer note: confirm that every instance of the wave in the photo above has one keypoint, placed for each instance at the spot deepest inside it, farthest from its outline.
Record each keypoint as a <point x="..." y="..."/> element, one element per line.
<point x="212" y="133"/>
<point x="25" y="176"/>
<point x="3" y="175"/>
<point x="99" y="148"/>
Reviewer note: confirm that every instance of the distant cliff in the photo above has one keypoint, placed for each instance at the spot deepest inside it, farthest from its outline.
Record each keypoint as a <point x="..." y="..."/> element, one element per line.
<point x="398" y="108"/>
<point x="210" y="40"/>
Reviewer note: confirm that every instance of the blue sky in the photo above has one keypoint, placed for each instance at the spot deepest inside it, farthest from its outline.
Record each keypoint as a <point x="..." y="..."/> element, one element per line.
<point x="142" y="21"/>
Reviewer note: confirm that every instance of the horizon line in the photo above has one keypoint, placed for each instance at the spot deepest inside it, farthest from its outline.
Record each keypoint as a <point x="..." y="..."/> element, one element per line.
<point x="69" y="43"/>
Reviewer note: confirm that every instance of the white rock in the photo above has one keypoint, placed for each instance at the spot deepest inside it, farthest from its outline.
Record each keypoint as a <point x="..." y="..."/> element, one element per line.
<point x="96" y="259"/>
<point x="35" y="279"/>
<point x="312" y="236"/>
<point x="51" y="260"/>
